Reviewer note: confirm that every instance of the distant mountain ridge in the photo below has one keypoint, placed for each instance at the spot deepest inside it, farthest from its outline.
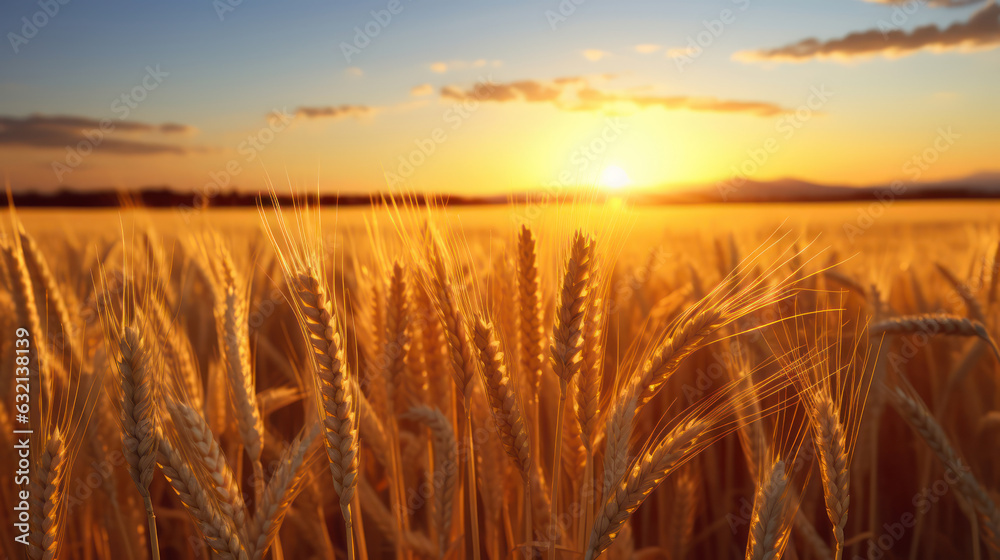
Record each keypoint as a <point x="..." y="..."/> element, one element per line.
<point x="979" y="186"/>
<point x="983" y="185"/>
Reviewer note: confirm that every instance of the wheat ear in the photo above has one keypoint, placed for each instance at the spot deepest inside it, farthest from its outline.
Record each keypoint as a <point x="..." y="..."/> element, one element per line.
<point x="768" y="530"/>
<point x="335" y="389"/>
<point x="684" y="510"/>
<point x="617" y="436"/>
<point x="920" y="419"/>
<point x="833" y="465"/>
<point x="463" y="366"/>
<point x="530" y="292"/>
<point x="217" y="531"/>
<point x="567" y="334"/>
<point x="370" y="425"/>
<point x="463" y="371"/>
<point x="668" y="356"/>
<point x="209" y="454"/>
<point x="27" y="313"/>
<point x="506" y="407"/>
<point x="502" y="396"/>
<point x="236" y="341"/>
<point x="950" y="325"/>
<point x="587" y="401"/>
<point x="567" y="344"/>
<point x="280" y="491"/>
<point x="35" y="259"/>
<point x="139" y="419"/>
<point x="588" y="394"/>
<point x="397" y="342"/>
<point x="973" y="306"/>
<point x="47" y="500"/>
<point x="176" y="348"/>
<point x="395" y="348"/>
<point x="445" y="447"/>
<point x="625" y="496"/>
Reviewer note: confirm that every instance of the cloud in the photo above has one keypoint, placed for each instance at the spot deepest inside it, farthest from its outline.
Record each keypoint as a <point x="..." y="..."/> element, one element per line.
<point x="595" y="54"/>
<point x="647" y="48"/>
<point x="680" y="51"/>
<point x="575" y="93"/>
<point x="335" y="111"/>
<point x="981" y="31"/>
<point x="594" y="100"/>
<point x="441" y="67"/>
<point x="61" y="131"/>
<point x="354" y="71"/>
<point x="422" y="90"/>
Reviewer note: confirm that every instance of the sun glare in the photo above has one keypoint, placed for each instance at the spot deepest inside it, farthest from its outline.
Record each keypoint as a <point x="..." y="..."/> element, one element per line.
<point x="614" y="178"/>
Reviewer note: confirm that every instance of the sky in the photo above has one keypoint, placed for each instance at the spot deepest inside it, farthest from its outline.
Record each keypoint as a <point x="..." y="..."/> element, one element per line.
<point x="488" y="97"/>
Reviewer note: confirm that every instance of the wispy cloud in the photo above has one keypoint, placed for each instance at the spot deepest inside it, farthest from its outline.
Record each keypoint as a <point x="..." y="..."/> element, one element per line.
<point x="422" y="90"/>
<point x="981" y="31"/>
<point x="680" y="51"/>
<point x="60" y="131"/>
<point x="647" y="48"/>
<point x="441" y="67"/>
<point x="576" y="93"/>
<point x="335" y="112"/>
<point x="595" y="54"/>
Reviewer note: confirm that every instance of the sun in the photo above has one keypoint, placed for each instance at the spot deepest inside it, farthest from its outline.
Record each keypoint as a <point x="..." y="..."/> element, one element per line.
<point x="614" y="178"/>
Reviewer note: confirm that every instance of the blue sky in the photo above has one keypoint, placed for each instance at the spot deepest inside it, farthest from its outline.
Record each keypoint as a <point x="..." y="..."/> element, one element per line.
<point x="225" y="75"/>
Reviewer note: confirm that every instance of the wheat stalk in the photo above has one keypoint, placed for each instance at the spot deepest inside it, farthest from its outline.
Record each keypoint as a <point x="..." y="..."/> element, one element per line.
<point x="567" y="343"/>
<point x="587" y="402"/>
<point x="463" y="371"/>
<point x="335" y="390"/>
<point x="445" y="475"/>
<point x="140" y="441"/>
<point x="395" y="347"/>
<point x="384" y="521"/>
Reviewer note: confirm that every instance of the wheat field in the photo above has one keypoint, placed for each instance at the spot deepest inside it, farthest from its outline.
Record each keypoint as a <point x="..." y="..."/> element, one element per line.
<point x="548" y="381"/>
